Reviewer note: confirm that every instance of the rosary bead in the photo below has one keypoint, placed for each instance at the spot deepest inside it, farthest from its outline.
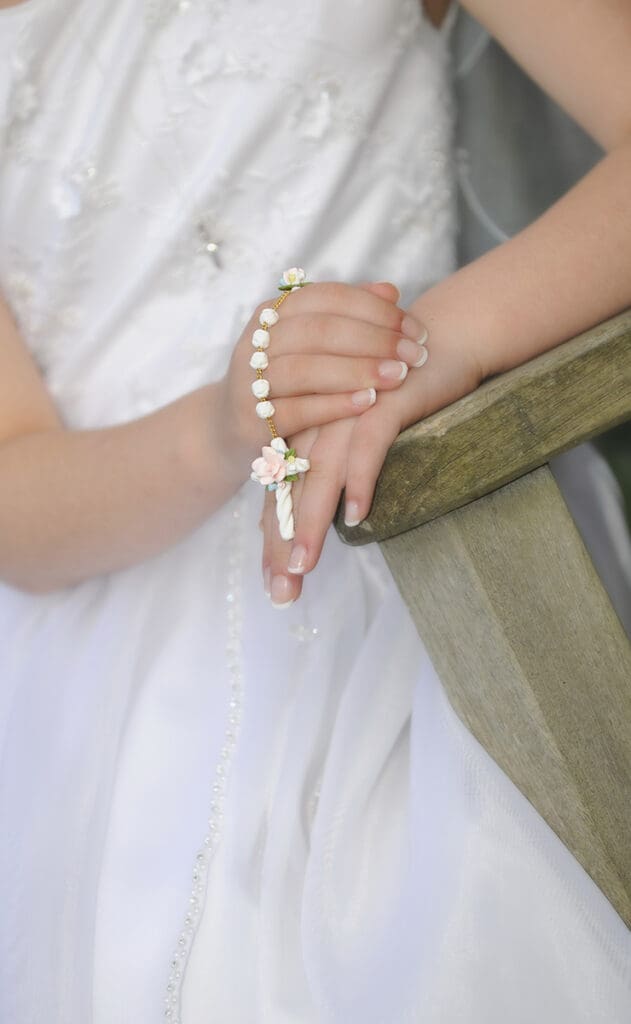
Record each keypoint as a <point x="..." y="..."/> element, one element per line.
<point x="268" y="318"/>
<point x="264" y="410"/>
<point x="260" y="387"/>
<point x="260" y="338"/>
<point x="259" y="361"/>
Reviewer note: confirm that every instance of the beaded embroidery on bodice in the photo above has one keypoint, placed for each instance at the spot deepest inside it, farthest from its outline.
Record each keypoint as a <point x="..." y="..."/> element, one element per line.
<point x="242" y="165"/>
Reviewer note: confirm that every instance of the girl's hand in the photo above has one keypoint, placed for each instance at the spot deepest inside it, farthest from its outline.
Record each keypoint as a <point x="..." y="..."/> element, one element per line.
<point x="350" y="454"/>
<point x="333" y="348"/>
<point x="316" y="496"/>
<point x="451" y="372"/>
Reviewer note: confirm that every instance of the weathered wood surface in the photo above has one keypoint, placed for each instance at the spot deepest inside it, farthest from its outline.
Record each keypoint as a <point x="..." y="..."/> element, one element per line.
<point x="509" y="426"/>
<point x="533" y="659"/>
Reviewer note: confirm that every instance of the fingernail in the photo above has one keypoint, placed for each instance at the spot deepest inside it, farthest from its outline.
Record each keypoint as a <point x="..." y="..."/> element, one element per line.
<point x="297" y="559"/>
<point x="390" y="285"/>
<point x="280" y="592"/>
<point x="424" y="356"/>
<point x="351" y="514"/>
<point x="409" y="350"/>
<point x="363" y="399"/>
<point x="390" y="369"/>
<point x="414" y="329"/>
<point x="267" y="581"/>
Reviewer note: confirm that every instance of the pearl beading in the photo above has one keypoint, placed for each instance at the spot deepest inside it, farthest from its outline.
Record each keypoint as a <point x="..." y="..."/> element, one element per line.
<point x="210" y="841"/>
<point x="277" y="474"/>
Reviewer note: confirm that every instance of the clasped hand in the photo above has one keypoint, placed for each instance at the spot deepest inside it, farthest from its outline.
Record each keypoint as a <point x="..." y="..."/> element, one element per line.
<point x="344" y="384"/>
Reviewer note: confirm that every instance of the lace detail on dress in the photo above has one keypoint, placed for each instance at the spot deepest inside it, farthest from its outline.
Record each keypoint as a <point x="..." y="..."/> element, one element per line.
<point x="243" y="165"/>
<point x="23" y="99"/>
<point x="44" y="288"/>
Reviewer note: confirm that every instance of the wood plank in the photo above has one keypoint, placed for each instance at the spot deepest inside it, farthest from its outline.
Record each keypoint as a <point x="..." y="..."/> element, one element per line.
<point x="534" y="661"/>
<point x="513" y="423"/>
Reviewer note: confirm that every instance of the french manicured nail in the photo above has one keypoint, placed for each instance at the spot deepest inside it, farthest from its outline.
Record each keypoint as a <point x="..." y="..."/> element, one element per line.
<point x="413" y="352"/>
<point x="267" y="581"/>
<point x="280" y="592"/>
<point x="391" y="369"/>
<point x="414" y="329"/>
<point x="297" y="559"/>
<point x="410" y="351"/>
<point x="365" y="398"/>
<point x="351" y="514"/>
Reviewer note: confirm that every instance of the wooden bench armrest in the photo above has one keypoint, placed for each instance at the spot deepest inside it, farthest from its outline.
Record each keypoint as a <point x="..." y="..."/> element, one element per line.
<point x="510" y="425"/>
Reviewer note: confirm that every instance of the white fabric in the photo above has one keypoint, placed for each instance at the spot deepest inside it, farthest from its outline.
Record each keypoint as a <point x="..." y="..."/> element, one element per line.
<point x="373" y="864"/>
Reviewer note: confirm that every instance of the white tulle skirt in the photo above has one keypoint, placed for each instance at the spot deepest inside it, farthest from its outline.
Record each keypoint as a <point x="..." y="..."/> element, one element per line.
<point x="232" y="814"/>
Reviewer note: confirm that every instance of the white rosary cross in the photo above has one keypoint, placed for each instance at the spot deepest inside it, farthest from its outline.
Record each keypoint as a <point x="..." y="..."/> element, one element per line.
<point x="277" y="469"/>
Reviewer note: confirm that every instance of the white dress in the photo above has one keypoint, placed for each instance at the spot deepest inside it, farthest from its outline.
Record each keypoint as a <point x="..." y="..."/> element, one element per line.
<point x="213" y="812"/>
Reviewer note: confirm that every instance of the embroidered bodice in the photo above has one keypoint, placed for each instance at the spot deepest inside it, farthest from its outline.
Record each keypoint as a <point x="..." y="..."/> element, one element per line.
<point x="161" y="160"/>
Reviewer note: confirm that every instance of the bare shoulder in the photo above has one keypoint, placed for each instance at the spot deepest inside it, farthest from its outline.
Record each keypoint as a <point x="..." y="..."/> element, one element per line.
<point x="12" y="3"/>
<point x="577" y="52"/>
<point x="25" y="404"/>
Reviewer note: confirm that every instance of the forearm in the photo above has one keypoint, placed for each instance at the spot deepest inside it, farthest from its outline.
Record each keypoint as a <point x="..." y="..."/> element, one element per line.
<point x="562" y="274"/>
<point x="75" y="504"/>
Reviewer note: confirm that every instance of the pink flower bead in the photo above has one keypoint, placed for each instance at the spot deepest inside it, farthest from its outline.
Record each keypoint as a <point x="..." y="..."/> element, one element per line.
<point x="270" y="467"/>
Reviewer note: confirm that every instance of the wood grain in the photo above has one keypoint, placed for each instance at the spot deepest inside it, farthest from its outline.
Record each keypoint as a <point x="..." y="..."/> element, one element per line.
<point x="534" y="661"/>
<point x="509" y="426"/>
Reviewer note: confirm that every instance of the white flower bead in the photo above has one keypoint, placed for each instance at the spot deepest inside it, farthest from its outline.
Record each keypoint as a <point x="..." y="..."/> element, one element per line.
<point x="260" y="388"/>
<point x="264" y="410"/>
<point x="278" y="444"/>
<point x="260" y="338"/>
<point x="259" y="361"/>
<point x="294" y="276"/>
<point x="268" y="318"/>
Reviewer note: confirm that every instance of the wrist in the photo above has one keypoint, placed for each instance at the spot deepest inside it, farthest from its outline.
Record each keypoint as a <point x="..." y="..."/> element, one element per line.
<point x="219" y="461"/>
<point x="460" y="316"/>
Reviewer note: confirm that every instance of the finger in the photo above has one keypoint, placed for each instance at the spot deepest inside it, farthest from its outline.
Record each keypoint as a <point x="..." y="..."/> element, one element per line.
<point x="293" y="376"/>
<point x="291" y="415"/>
<point x="280" y="586"/>
<point x="368" y="449"/>
<point x="319" y="497"/>
<point x="385" y="289"/>
<point x="285" y="586"/>
<point x="268" y="525"/>
<point x="319" y="332"/>
<point x="341" y="299"/>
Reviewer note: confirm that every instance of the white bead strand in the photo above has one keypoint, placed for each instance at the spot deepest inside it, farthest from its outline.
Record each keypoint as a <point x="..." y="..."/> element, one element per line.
<point x="276" y="474"/>
<point x="210" y="841"/>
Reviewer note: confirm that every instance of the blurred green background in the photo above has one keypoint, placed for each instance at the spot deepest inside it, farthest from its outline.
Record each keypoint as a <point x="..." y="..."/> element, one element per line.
<point x="615" y="445"/>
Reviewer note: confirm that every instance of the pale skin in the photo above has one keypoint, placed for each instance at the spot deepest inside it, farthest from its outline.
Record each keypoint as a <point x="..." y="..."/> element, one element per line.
<point x="76" y="504"/>
<point x="564" y="273"/>
<point x="79" y="503"/>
